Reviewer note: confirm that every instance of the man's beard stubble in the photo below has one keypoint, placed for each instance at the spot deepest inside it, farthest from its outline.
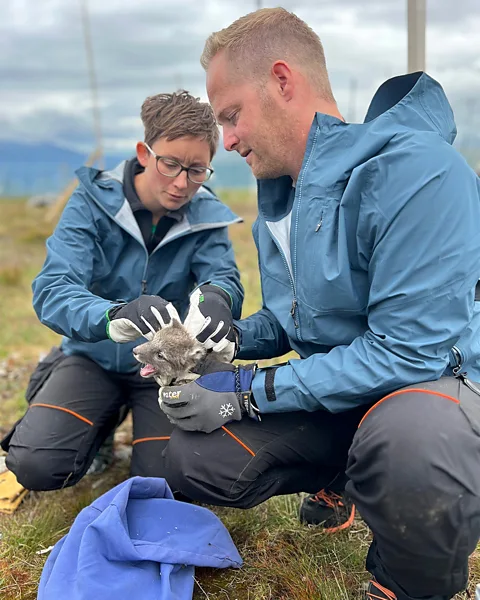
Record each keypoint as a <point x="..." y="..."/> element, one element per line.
<point x="272" y="163"/>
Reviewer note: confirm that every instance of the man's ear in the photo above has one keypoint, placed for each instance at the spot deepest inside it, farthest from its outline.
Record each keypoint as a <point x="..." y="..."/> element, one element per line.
<point x="283" y="79"/>
<point x="142" y="154"/>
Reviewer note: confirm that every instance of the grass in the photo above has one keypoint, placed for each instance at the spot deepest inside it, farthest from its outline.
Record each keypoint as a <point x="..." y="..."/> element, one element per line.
<point x="282" y="559"/>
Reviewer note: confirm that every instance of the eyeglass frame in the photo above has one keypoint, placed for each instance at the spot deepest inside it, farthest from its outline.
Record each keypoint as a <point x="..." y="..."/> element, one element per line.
<point x="182" y="167"/>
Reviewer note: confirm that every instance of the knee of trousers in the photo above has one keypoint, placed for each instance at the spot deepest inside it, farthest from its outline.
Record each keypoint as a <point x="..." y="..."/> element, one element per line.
<point x="42" y="469"/>
<point x="414" y="454"/>
<point x="198" y="467"/>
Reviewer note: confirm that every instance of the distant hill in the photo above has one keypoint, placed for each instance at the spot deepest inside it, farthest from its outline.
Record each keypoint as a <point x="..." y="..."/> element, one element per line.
<point x="27" y="169"/>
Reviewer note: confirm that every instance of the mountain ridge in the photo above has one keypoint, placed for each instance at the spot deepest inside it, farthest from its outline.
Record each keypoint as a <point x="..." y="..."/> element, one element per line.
<point x="41" y="168"/>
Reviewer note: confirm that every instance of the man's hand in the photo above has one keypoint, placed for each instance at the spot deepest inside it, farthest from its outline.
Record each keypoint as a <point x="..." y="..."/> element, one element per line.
<point x="212" y="400"/>
<point x="210" y="320"/>
<point x="143" y="316"/>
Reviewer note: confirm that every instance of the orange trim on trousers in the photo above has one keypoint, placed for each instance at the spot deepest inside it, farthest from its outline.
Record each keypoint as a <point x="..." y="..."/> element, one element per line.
<point x="164" y="438"/>
<point x="67" y="410"/>
<point x="151" y="439"/>
<point x="238" y="440"/>
<point x="419" y="390"/>
<point x="387" y="593"/>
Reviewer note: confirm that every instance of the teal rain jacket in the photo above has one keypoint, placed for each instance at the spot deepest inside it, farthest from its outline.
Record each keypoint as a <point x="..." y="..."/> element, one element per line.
<point x="97" y="256"/>
<point x="368" y="269"/>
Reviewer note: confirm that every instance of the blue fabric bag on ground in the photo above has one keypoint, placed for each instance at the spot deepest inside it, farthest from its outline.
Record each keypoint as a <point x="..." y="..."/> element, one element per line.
<point x="136" y="541"/>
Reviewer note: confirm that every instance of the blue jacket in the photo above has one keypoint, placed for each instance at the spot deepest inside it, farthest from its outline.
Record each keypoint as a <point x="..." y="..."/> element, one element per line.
<point x="97" y="256"/>
<point x="136" y="541"/>
<point x="368" y="269"/>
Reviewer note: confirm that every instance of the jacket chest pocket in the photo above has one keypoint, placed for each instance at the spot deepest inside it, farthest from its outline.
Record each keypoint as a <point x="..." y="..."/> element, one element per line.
<point x="329" y="276"/>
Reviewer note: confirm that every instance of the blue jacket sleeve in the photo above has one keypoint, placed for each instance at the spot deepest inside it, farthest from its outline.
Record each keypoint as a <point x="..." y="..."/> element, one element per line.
<point x="261" y="336"/>
<point x="214" y="261"/>
<point x="421" y="243"/>
<point x="61" y="297"/>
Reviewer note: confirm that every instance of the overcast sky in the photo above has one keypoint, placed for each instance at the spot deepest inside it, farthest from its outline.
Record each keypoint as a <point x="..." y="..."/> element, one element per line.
<point x="144" y="47"/>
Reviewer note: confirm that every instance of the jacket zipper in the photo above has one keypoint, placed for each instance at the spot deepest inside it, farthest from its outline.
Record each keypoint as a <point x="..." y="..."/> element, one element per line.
<point x="292" y="312"/>
<point x="294" y="260"/>
<point x="297" y="201"/>
<point x="144" y="282"/>
<point x="292" y="285"/>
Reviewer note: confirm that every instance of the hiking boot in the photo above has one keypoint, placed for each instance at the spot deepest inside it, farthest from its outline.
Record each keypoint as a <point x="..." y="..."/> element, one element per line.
<point x="334" y="511"/>
<point x="104" y="457"/>
<point x="375" y="591"/>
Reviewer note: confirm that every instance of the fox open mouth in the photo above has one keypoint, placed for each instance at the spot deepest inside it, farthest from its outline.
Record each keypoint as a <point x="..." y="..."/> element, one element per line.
<point x="148" y="371"/>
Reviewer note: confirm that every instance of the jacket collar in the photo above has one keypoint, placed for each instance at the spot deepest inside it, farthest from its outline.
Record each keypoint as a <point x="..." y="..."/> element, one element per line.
<point x="413" y="102"/>
<point x="106" y="188"/>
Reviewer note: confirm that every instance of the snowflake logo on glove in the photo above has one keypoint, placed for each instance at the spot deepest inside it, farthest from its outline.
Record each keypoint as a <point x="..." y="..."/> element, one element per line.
<point x="226" y="410"/>
<point x="212" y="400"/>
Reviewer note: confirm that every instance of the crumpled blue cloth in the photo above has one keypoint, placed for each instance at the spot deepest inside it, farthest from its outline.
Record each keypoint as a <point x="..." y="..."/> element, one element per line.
<point x="133" y="542"/>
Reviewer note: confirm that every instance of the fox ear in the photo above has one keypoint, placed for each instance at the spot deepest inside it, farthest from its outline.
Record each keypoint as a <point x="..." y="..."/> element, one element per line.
<point x="176" y="324"/>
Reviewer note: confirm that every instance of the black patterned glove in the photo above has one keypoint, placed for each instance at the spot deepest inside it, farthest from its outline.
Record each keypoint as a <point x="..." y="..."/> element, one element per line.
<point x="141" y="317"/>
<point x="210" y="320"/>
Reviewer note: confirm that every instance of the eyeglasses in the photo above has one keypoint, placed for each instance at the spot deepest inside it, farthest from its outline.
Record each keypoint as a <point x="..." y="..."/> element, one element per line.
<point x="172" y="168"/>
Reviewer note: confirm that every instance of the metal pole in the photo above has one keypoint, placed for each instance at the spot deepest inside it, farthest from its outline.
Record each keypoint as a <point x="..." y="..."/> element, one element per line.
<point x="93" y="82"/>
<point x="416" y="23"/>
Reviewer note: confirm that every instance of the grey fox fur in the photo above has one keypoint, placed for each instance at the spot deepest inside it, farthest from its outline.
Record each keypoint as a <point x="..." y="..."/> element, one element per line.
<point x="173" y="356"/>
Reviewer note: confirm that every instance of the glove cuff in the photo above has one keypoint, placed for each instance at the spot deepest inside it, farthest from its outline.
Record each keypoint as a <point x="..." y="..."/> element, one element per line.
<point x="111" y="312"/>
<point x="212" y="288"/>
<point x="236" y="341"/>
<point x="246" y="400"/>
<point x="249" y="407"/>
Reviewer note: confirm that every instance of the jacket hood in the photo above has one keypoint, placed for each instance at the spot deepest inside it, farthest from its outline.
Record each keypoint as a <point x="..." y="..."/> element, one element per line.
<point x="136" y="536"/>
<point x="415" y="101"/>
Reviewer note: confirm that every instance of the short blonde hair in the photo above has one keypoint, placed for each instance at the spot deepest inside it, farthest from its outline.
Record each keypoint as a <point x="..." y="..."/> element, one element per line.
<point x="179" y="115"/>
<point x="256" y="40"/>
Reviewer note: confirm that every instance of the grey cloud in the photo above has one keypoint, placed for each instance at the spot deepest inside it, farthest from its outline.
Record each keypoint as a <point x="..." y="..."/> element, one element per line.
<point x="150" y="46"/>
<point x="130" y="47"/>
<point x="393" y="12"/>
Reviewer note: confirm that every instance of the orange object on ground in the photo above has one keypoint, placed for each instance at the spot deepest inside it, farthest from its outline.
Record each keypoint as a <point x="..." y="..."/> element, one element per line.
<point x="11" y="493"/>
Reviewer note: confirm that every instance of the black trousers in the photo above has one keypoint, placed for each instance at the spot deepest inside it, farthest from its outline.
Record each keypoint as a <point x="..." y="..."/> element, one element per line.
<point x="414" y="474"/>
<point x="71" y="415"/>
<point x="412" y="463"/>
<point x="412" y="466"/>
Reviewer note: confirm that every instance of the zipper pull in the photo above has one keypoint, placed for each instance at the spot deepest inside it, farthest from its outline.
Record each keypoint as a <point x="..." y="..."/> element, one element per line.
<point x="292" y="312"/>
<point x="144" y="286"/>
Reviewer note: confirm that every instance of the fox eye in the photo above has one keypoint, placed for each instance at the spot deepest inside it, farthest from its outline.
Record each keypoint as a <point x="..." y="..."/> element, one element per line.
<point x="160" y="355"/>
